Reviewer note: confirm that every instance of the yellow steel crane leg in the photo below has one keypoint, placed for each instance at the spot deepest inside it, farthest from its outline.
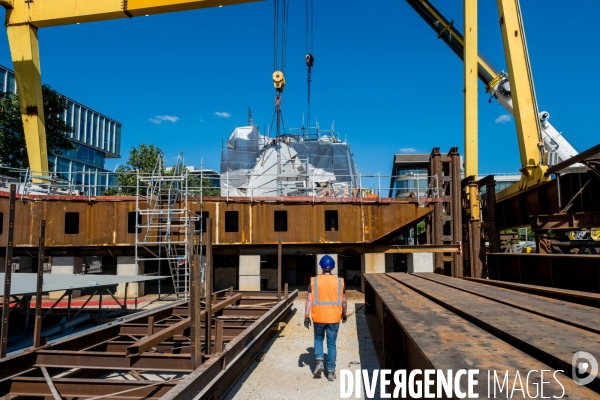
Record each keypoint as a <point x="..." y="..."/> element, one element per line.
<point x="471" y="81"/>
<point x="23" y="43"/>
<point x="523" y="96"/>
<point x="25" y="17"/>
<point x="471" y="131"/>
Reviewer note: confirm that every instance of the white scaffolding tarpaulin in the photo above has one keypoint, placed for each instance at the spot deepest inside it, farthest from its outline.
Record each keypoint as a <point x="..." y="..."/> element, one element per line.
<point x="255" y="165"/>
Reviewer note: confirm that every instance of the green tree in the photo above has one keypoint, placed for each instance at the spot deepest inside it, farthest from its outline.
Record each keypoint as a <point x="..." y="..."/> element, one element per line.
<point x="145" y="159"/>
<point x="13" y="151"/>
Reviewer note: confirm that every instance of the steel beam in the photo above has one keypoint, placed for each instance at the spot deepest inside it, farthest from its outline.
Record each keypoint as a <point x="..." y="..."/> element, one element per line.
<point x="574" y="221"/>
<point x="150" y="341"/>
<point x="450" y="339"/>
<point x="37" y="328"/>
<point x="113" y="361"/>
<point x="8" y="273"/>
<point x="555" y="347"/>
<point x="85" y="388"/>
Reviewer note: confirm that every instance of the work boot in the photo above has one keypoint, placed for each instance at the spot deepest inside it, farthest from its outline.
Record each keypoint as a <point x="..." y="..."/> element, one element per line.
<point x="318" y="369"/>
<point x="331" y="376"/>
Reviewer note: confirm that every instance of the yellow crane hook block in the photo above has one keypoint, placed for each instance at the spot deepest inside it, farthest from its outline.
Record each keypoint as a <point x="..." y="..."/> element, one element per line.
<point x="278" y="81"/>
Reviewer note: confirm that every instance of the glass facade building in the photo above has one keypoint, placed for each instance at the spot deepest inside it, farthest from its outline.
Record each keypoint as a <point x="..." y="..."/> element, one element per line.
<point x="96" y="137"/>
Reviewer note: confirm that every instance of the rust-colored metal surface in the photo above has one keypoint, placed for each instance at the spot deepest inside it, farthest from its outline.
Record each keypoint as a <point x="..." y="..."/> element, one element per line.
<point x="550" y="198"/>
<point x="148" y="356"/>
<point x="419" y="333"/>
<point x="548" y="340"/>
<point x="564" y="271"/>
<point x="572" y="296"/>
<point x="104" y="221"/>
<point x="573" y="314"/>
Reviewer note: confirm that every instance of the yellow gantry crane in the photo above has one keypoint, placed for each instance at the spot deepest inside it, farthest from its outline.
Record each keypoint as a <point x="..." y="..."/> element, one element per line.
<point x="25" y="17"/>
<point x="519" y="100"/>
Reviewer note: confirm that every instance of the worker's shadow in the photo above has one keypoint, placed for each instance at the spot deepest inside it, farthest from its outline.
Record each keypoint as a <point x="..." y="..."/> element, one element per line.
<point x="308" y="359"/>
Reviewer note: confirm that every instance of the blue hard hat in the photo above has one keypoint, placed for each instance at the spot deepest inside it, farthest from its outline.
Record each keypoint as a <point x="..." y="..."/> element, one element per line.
<point x="327" y="262"/>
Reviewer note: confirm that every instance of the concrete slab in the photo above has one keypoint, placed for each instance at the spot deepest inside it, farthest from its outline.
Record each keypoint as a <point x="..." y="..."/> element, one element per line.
<point x="285" y="370"/>
<point x="419" y="262"/>
<point x="249" y="282"/>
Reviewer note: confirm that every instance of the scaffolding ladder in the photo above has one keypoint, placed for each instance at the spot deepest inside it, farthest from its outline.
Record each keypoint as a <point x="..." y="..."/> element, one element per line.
<point x="165" y="224"/>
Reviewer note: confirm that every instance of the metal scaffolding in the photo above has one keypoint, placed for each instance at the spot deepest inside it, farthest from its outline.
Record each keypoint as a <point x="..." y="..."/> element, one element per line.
<point x="164" y="222"/>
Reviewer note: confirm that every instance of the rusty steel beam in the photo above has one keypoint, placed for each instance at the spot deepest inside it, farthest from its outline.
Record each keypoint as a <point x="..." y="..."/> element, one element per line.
<point x="573" y="221"/>
<point x="37" y="327"/>
<point x="457" y="234"/>
<point x="576" y="315"/>
<point x="160" y="336"/>
<point x="8" y="272"/>
<point x="572" y="296"/>
<point x="208" y="289"/>
<point x="450" y="339"/>
<point x="216" y="376"/>
<point x="555" y="347"/>
<point x="592" y="153"/>
<point x="99" y="227"/>
<point x="237" y="340"/>
<point x="562" y="271"/>
<point x="85" y="388"/>
<point x="113" y="361"/>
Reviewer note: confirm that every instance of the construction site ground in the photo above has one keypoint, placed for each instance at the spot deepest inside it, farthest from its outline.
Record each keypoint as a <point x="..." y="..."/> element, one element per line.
<point x="283" y="369"/>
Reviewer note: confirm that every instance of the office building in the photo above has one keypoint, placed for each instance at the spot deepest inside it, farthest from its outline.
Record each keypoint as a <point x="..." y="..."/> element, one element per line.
<point x="96" y="137"/>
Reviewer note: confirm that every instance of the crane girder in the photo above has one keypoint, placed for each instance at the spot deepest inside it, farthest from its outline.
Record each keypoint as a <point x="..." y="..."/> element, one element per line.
<point x="25" y="17"/>
<point x="46" y="13"/>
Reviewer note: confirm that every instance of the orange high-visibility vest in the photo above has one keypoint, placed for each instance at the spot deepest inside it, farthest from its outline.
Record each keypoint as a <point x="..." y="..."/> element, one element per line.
<point x="326" y="299"/>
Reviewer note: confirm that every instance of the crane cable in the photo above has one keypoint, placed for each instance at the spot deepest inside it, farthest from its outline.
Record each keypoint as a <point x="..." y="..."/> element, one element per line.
<point x="278" y="76"/>
<point x="309" y="58"/>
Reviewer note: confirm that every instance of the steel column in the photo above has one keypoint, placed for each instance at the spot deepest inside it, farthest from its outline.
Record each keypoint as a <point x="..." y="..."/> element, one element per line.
<point x="456" y="212"/>
<point x="37" y="328"/>
<point x="279" y="251"/>
<point x="8" y="271"/>
<point x="436" y="171"/>
<point x="470" y="57"/>
<point x="493" y="232"/>
<point x="208" y="296"/>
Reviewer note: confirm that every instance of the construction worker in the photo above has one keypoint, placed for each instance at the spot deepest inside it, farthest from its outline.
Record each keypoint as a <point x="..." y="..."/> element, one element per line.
<point x="326" y="300"/>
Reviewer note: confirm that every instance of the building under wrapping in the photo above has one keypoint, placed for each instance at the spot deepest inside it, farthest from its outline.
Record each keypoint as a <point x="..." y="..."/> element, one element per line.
<point x="290" y="165"/>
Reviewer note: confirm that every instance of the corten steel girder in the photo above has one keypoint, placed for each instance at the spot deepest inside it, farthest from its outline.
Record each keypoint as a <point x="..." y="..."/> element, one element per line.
<point x="147" y="345"/>
<point x="487" y="326"/>
<point x="103" y="221"/>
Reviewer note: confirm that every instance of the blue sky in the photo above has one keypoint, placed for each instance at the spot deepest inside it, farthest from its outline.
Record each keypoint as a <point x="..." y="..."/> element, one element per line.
<point x="380" y="73"/>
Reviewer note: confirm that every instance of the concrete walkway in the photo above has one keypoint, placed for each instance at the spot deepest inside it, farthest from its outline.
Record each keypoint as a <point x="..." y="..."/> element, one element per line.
<point x="285" y="370"/>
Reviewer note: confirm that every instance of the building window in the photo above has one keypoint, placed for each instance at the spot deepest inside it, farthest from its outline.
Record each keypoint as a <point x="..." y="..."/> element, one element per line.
<point x="12" y="87"/>
<point x="331" y="220"/>
<point x="70" y="116"/>
<point x="280" y="221"/>
<point x="231" y="221"/>
<point x="76" y="124"/>
<point x="106" y="125"/>
<point x="82" y="125"/>
<point x="1" y="223"/>
<point x="200" y="225"/>
<point x="71" y="223"/>
<point x="96" y="131"/>
<point x="131" y="222"/>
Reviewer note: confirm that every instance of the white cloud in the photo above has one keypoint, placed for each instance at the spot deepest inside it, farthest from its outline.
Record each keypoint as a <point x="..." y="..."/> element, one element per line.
<point x="408" y="150"/>
<point x="160" y="118"/>
<point x="202" y="120"/>
<point x="222" y="114"/>
<point x="503" y="119"/>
